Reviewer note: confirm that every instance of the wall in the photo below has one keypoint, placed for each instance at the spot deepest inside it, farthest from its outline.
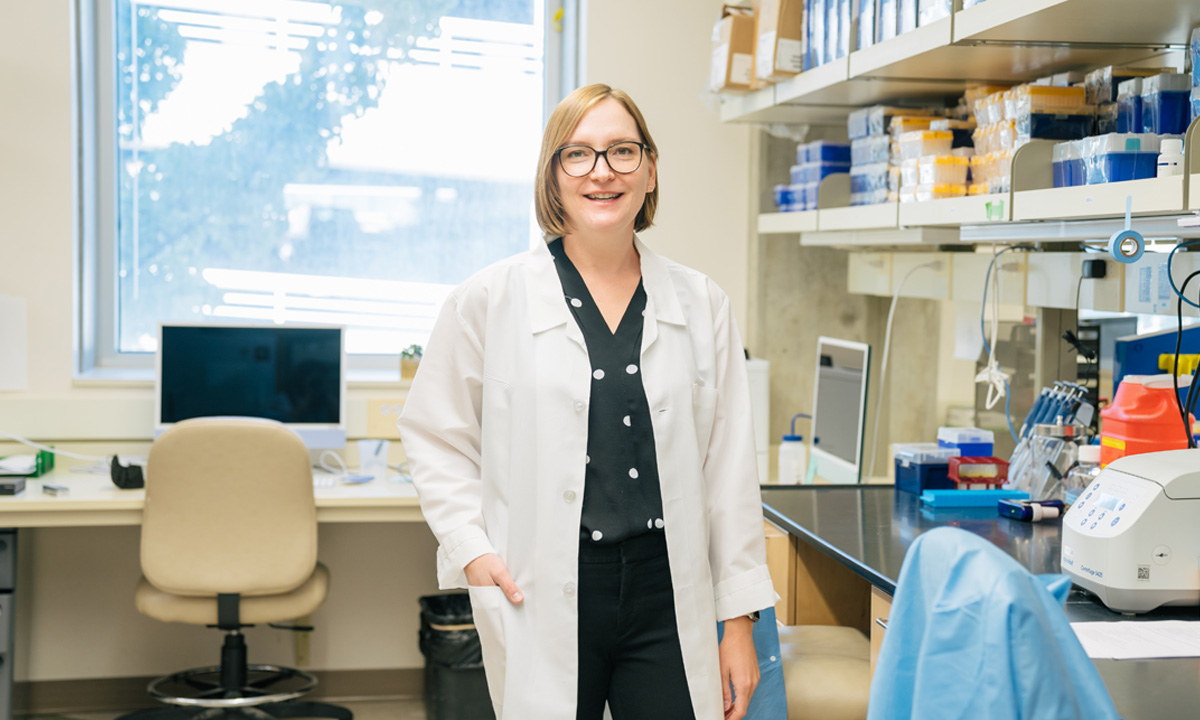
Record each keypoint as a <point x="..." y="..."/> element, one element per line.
<point x="660" y="54"/>
<point x="76" y="617"/>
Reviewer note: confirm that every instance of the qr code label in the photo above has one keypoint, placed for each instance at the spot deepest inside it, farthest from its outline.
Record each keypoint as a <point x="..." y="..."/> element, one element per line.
<point x="1144" y="572"/>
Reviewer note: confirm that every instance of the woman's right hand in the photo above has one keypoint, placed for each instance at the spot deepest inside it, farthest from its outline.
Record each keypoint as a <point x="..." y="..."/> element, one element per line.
<point x="489" y="570"/>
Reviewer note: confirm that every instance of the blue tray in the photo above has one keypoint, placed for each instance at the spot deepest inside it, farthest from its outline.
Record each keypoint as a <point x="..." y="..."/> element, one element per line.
<point x="970" y="498"/>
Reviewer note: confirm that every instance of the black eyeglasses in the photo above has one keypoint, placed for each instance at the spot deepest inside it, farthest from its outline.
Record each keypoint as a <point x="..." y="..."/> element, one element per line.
<point x="580" y="160"/>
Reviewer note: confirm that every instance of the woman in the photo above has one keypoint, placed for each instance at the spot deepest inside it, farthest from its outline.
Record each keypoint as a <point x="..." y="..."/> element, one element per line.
<point x="580" y="437"/>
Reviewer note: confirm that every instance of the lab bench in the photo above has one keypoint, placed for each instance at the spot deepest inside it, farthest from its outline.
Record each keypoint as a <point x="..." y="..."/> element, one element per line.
<point x="849" y="543"/>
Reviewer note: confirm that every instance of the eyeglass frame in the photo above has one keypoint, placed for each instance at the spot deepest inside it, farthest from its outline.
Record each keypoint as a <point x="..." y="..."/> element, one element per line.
<point x="598" y="153"/>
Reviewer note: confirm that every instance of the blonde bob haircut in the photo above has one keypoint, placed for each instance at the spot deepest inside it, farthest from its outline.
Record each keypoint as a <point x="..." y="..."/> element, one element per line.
<point x="547" y="198"/>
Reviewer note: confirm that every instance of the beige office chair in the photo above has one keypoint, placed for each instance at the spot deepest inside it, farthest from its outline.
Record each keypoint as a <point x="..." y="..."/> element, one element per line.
<point x="827" y="672"/>
<point x="229" y="539"/>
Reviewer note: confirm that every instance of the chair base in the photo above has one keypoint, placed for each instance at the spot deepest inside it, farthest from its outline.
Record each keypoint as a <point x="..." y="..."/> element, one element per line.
<point x="236" y="689"/>
<point x="208" y="687"/>
<point x="270" y="711"/>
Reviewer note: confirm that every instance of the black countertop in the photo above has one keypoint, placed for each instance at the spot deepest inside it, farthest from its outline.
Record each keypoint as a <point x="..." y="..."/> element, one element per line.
<point x="869" y="528"/>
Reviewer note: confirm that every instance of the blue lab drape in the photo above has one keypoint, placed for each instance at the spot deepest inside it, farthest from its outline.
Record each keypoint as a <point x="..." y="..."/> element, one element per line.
<point x="972" y="634"/>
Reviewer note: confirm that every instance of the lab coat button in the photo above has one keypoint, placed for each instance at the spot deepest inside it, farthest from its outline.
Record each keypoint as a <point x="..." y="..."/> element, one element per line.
<point x="569" y="589"/>
<point x="569" y="496"/>
<point x="579" y="406"/>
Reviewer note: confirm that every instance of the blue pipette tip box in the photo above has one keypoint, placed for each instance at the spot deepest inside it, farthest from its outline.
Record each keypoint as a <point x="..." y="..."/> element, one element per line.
<point x="969" y="498"/>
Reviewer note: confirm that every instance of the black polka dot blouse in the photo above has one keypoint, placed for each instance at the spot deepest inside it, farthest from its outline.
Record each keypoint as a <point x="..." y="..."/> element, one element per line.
<point x="621" y="496"/>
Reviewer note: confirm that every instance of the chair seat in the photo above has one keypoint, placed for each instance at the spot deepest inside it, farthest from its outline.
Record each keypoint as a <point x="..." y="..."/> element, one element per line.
<point x="827" y="670"/>
<point x="299" y="602"/>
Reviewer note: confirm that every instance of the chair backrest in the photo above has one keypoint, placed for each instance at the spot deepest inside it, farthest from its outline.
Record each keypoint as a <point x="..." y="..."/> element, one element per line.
<point x="229" y="509"/>
<point x="972" y="634"/>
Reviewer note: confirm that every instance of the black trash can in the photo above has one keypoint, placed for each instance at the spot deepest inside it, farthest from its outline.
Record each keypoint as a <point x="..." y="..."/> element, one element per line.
<point x="455" y="686"/>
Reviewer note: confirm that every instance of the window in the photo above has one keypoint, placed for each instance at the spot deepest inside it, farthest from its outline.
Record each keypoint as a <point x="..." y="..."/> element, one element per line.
<point x="296" y="161"/>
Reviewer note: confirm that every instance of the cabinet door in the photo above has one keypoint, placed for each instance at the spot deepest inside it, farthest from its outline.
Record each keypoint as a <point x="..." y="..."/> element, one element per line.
<point x="881" y="607"/>
<point x="781" y="563"/>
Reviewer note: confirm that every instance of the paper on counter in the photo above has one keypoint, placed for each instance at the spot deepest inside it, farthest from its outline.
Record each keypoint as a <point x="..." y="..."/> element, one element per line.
<point x="18" y="465"/>
<point x="1133" y="640"/>
<point x="13" y="340"/>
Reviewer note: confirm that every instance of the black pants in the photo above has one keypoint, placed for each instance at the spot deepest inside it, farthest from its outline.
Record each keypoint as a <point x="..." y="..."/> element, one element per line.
<point x="629" y="650"/>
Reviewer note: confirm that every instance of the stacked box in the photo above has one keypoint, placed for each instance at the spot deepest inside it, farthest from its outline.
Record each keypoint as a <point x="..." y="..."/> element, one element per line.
<point x="1067" y="160"/>
<point x="1102" y="84"/>
<point x="1129" y="106"/>
<point x="930" y="11"/>
<point x="867" y="14"/>
<point x="923" y="466"/>
<point x="1009" y="119"/>
<point x="1194" y="49"/>
<point x="969" y="441"/>
<point x="1165" y="100"/>
<point x="780" y="32"/>
<point x="1117" y="157"/>
<point x="1051" y="113"/>
<point x="906" y="20"/>
<point x="875" y="150"/>
<point x="815" y="161"/>
<point x="885" y="20"/>
<point x="733" y="51"/>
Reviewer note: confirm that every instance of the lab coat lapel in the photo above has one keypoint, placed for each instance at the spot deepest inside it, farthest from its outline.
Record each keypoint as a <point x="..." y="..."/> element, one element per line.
<point x="544" y="295"/>
<point x="662" y="302"/>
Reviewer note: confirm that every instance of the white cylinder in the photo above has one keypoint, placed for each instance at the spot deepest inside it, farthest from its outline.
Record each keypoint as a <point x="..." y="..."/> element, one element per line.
<point x="1170" y="157"/>
<point x="793" y="461"/>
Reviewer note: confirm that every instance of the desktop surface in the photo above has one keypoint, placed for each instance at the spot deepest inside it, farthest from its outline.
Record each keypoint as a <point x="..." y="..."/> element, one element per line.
<point x="92" y="499"/>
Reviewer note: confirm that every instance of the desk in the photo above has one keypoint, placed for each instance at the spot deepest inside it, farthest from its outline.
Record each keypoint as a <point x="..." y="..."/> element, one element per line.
<point x="94" y="502"/>
<point x="868" y="529"/>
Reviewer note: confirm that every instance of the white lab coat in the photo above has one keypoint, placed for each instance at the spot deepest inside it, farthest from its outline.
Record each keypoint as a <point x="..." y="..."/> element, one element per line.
<point x="495" y="430"/>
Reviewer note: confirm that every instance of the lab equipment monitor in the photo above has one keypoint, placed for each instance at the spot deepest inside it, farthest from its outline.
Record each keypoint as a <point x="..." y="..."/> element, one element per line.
<point x="294" y="374"/>
<point x="839" y="411"/>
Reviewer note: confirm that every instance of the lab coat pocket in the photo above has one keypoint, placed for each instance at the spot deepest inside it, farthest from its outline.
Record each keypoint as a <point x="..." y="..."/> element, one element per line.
<point x="704" y="410"/>
<point x="487" y="607"/>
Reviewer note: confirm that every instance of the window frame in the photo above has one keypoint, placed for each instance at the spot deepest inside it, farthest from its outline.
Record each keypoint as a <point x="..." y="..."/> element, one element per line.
<point x="94" y="79"/>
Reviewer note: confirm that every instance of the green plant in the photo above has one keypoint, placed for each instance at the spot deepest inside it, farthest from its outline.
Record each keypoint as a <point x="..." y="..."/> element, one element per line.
<point x="412" y="352"/>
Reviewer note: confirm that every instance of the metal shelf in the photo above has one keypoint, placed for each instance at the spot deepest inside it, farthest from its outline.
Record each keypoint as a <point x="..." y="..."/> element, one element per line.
<point x="976" y="209"/>
<point x="787" y="223"/>
<point x="891" y="237"/>
<point x="758" y="106"/>
<point x="859" y="217"/>
<point x="1000" y="41"/>
<point x="1155" y="196"/>
<point x="1117" y="24"/>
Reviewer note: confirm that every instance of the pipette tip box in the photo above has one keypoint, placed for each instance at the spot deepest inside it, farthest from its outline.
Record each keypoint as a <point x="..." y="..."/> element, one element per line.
<point x="969" y="498"/>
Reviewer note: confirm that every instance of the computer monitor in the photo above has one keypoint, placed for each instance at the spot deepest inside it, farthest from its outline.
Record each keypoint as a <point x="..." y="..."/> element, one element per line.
<point x="293" y="374"/>
<point x="839" y="411"/>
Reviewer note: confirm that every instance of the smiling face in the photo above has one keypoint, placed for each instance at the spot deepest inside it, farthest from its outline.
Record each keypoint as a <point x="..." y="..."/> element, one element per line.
<point x="603" y="201"/>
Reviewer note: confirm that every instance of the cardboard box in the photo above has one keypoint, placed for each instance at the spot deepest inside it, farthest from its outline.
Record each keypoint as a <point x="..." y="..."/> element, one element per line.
<point x="733" y="51"/>
<point x="780" y="48"/>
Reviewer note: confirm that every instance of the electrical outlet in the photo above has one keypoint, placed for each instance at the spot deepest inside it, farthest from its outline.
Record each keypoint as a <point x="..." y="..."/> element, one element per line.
<point x="382" y="414"/>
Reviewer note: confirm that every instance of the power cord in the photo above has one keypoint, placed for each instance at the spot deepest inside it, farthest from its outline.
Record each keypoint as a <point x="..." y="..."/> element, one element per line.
<point x="1073" y="339"/>
<point x="342" y="469"/>
<point x="1184" y="406"/>
<point x="997" y="380"/>
<point x="887" y="342"/>
<point x="1171" y="277"/>
<point x="56" y="451"/>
